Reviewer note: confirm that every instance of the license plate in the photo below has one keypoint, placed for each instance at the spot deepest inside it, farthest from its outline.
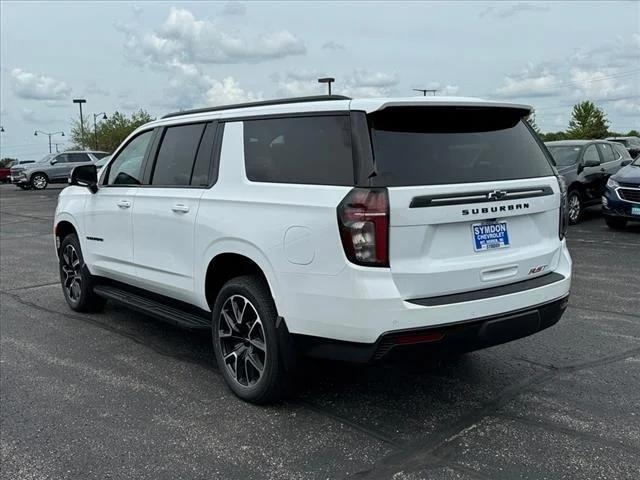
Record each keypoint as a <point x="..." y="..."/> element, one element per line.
<point x="635" y="211"/>
<point x="487" y="236"/>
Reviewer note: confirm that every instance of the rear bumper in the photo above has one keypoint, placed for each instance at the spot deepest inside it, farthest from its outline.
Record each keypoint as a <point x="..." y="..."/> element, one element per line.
<point x="442" y="339"/>
<point x="360" y="304"/>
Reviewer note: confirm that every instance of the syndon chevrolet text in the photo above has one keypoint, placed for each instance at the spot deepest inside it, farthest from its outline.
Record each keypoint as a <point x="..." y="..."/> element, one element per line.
<point x="350" y="229"/>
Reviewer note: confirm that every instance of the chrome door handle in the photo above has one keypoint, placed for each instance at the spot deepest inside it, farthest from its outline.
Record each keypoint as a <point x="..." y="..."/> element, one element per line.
<point x="124" y="203"/>
<point x="179" y="208"/>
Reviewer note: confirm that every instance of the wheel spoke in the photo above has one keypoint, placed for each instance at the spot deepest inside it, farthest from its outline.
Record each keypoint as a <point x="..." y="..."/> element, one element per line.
<point x="241" y="340"/>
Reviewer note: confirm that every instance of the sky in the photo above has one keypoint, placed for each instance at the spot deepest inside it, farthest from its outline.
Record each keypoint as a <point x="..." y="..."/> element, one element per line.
<point x="171" y="55"/>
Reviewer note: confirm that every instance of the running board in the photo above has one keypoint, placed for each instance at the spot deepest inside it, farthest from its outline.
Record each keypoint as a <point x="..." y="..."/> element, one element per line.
<point x="154" y="308"/>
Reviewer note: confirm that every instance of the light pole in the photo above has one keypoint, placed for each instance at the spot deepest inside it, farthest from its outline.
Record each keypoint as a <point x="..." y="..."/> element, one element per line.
<point x="80" y="101"/>
<point x="95" y="128"/>
<point x="1" y="129"/>
<point x="49" y="134"/>
<point x="425" y="90"/>
<point x="328" y="81"/>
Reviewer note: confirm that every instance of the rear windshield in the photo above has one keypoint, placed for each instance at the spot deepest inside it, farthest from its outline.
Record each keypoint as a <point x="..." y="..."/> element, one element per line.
<point x="444" y="145"/>
<point x="565" y="155"/>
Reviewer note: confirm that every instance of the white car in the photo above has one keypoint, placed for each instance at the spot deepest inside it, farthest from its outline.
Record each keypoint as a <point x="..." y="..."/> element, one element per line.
<point x="324" y="226"/>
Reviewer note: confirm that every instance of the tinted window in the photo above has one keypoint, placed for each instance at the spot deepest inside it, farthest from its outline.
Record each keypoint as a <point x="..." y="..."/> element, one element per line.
<point x="607" y="152"/>
<point x="591" y="154"/>
<point x="307" y="150"/>
<point x="564" y="155"/>
<point x="78" y="157"/>
<point x="177" y="154"/>
<point x="202" y="167"/>
<point x="62" y="158"/>
<point x="621" y="151"/>
<point x="126" y="168"/>
<point x="433" y="145"/>
<point x="100" y="155"/>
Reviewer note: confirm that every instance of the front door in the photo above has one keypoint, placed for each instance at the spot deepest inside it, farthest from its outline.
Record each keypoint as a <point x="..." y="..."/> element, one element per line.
<point x="109" y="227"/>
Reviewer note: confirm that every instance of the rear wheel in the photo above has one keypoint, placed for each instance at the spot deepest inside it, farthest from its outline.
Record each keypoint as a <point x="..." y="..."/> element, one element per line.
<point x="77" y="284"/>
<point x="245" y="340"/>
<point x="574" y="201"/>
<point x="39" y="181"/>
<point x="615" y="223"/>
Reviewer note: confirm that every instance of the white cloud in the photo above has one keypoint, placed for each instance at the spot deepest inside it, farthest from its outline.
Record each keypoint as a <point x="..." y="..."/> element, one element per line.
<point x="234" y="8"/>
<point x="186" y="40"/>
<point x="227" y="91"/>
<point x="531" y="82"/>
<point x="597" y="83"/>
<point x="364" y="78"/>
<point x="31" y="86"/>
<point x="93" y="88"/>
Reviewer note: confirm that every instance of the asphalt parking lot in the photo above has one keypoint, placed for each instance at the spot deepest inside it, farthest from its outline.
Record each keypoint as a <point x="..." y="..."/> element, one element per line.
<point x="119" y="395"/>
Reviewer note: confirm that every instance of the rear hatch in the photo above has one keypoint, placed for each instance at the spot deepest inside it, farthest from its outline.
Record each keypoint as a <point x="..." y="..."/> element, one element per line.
<point x="473" y="199"/>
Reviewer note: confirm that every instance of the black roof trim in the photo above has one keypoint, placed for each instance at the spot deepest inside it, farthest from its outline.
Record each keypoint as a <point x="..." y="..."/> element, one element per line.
<point x="264" y="103"/>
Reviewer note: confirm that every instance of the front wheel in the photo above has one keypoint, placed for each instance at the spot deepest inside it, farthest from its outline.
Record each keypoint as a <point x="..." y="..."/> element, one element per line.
<point x="574" y="201"/>
<point x="615" y="223"/>
<point x="76" y="280"/>
<point x="39" y="181"/>
<point x="245" y="340"/>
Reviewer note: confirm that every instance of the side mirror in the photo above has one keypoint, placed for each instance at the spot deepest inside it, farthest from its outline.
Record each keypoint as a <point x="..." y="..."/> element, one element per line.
<point x="53" y="161"/>
<point x="624" y="163"/>
<point x="591" y="163"/>
<point x="85" y="176"/>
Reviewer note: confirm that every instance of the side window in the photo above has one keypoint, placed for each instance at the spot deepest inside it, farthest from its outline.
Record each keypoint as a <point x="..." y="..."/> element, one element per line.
<point x="79" y="157"/>
<point x="62" y="158"/>
<point x="621" y="152"/>
<point x="177" y="154"/>
<point x="307" y="150"/>
<point x="126" y="168"/>
<point x="591" y="154"/>
<point x="607" y="152"/>
<point x="202" y="167"/>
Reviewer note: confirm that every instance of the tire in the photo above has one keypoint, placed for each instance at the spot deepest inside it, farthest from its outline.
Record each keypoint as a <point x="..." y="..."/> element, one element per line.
<point x="76" y="281"/>
<point x="39" y="181"/>
<point x="575" y="206"/>
<point x="244" y="342"/>
<point x="615" y="223"/>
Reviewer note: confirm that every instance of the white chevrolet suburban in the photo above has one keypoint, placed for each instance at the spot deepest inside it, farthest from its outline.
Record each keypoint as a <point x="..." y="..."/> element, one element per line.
<point x="324" y="226"/>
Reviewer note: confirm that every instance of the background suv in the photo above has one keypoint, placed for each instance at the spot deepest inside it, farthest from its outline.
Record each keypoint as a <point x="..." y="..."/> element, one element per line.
<point x="632" y="144"/>
<point x="586" y="165"/>
<point x="621" y="199"/>
<point x="53" y="168"/>
<point x="324" y="226"/>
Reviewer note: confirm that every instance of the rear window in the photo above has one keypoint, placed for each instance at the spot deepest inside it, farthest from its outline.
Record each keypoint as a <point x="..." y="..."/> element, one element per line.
<point x="444" y="145"/>
<point x="177" y="155"/>
<point x="100" y="155"/>
<point x="307" y="150"/>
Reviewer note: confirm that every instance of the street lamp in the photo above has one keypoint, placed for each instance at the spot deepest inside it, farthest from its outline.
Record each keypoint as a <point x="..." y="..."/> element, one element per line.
<point x="425" y="90"/>
<point x="49" y="134"/>
<point x="328" y="81"/>
<point x="80" y="101"/>
<point x="95" y="128"/>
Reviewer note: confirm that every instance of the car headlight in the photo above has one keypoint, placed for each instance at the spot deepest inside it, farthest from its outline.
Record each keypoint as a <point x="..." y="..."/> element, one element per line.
<point x="611" y="183"/>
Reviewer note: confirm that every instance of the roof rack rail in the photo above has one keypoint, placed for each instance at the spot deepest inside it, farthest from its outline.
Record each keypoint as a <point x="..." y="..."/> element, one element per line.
<point x="263" y="103"/>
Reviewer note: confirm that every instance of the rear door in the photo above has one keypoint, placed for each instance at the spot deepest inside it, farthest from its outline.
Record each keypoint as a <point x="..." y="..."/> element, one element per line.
<point x="611" y="162"/>
<point x="473" y="199"/>
<point x="166" y="207"/>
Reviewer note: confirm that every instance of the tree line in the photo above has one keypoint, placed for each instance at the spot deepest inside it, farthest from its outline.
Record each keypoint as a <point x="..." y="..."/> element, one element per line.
<point x="587" y="122"/>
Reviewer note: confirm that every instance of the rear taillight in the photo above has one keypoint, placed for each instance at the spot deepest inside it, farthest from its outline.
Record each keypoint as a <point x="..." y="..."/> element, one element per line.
<point x="564" y="209"/>
<point x="363" y="219"/>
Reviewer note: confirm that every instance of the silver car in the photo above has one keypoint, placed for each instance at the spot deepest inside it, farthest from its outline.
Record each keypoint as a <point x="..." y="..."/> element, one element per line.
<point x="53" y="168"/>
